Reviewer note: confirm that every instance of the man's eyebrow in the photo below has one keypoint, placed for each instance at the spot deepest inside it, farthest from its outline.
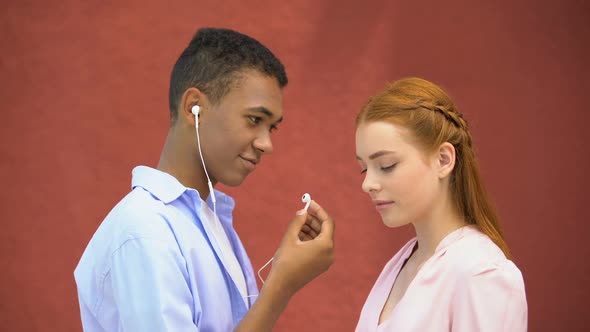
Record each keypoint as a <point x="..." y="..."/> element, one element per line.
<point x="265" y="111"/>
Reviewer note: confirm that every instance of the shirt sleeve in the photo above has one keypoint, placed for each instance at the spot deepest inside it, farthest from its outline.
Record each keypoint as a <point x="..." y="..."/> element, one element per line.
<point x="491" y="298"/>
<point x="150" y="286"/>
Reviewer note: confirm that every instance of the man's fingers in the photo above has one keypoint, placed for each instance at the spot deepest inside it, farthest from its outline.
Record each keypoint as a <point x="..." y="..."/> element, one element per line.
<point x="316" y="210"/>
<point x="294" y="228"/>
<point x="308" y="230"/>
<point x="327" y="223"/>
<point x="304" y="237"/>
<point x="314" y="223"/>
<point x="308" y="226"/>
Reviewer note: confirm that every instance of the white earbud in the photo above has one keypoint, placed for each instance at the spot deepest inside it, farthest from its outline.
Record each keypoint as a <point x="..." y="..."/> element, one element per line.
<point x="307" y="200"/>
<point x="195" y="110"/>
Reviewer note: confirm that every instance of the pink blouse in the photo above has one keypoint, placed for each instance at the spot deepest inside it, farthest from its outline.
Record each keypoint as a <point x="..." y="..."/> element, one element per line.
<point x="467" y="285"/>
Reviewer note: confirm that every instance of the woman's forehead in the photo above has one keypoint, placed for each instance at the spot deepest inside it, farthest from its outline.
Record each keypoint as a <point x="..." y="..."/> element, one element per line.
<point x="381" y="134"/>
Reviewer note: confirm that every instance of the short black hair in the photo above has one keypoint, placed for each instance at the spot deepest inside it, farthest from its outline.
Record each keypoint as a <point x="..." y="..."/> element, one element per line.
<point x="213" y="61"/>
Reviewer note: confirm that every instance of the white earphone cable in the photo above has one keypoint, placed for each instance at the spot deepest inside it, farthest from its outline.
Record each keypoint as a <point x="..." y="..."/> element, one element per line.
<point x="203" y="163"/>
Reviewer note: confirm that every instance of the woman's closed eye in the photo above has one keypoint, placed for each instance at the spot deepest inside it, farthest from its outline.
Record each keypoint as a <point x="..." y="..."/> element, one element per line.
<point x="388" y="168"/>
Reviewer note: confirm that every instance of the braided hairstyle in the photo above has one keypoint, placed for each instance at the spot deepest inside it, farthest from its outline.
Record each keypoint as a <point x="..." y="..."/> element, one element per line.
<point x="430" y="114"/>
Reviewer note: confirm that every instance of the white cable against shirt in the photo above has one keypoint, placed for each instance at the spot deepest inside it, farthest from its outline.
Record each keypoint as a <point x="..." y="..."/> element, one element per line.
<point x="211" y="192"/>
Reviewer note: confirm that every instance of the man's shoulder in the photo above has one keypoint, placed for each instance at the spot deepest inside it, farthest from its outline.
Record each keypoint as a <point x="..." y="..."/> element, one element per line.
<point x="138" y="214"/>
<point x="137" y="221"/>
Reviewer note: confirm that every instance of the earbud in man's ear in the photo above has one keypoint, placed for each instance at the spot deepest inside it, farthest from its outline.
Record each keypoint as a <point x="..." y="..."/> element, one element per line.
<point x="195" y="110"/>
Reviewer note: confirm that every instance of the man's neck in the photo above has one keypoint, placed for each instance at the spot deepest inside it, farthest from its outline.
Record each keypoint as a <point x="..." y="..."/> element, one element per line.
<point x="180" y="160"/>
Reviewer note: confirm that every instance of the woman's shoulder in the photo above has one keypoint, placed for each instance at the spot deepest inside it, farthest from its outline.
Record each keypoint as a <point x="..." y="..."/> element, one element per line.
<point x="487" y="288"/>
<point x="476" y="254"/>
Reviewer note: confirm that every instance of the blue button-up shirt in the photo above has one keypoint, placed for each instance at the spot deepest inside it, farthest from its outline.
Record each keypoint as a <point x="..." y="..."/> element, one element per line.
<point x="153" y="264"/>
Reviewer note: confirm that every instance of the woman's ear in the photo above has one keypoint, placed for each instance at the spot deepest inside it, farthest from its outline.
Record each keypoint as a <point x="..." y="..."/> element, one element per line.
<point x="445" y="159"/>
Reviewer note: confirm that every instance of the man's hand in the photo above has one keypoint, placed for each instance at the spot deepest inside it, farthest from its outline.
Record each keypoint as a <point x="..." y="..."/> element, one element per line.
<point x="306" y="251"/>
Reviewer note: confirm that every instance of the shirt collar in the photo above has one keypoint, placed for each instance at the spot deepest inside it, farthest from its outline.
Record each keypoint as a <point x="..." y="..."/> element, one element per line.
<point x="456" y="235"/>
<point x="167" y="188"/>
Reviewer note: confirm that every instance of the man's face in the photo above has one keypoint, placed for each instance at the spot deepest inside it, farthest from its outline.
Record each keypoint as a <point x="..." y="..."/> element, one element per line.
<point x="236" y="132"/>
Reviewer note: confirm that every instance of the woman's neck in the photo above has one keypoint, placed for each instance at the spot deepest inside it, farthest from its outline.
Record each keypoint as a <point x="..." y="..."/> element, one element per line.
<point x="432" y="230"/>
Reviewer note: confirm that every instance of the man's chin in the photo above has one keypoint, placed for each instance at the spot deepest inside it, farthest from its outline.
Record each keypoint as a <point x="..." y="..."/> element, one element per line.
<point x="233" y="181"/>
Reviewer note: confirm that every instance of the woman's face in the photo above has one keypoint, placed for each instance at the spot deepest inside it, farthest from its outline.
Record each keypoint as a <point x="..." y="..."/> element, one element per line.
<point x="402" y="181"/>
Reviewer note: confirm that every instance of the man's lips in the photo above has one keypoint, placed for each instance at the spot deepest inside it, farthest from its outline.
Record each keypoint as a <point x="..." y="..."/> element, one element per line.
<point x="252" y="160"/>
<point x="249" y="163"/>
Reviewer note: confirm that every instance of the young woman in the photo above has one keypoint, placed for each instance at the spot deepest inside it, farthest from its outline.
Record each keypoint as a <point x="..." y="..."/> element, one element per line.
<point x="416" y="152"/>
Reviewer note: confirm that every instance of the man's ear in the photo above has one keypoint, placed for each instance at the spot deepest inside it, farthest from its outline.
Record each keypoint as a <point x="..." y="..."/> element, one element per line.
<point x="445" y="159"/>
<point x="191" y="97"/>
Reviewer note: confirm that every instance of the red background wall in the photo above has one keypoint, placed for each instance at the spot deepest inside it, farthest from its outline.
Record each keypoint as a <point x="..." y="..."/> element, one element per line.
<point x="84" y="99"/>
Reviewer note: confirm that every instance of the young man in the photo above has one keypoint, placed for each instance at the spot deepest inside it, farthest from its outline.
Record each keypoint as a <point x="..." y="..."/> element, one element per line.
<point x="167" y="258"/>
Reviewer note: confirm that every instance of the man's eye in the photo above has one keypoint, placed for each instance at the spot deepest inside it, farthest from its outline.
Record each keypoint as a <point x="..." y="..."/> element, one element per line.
<point x="273" y="128"/>
<point x="364" y="171"/>
<point x="255" y="119"/>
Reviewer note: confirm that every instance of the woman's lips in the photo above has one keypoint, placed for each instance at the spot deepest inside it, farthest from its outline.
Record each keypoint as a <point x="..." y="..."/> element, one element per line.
<point x="382" y="205"/>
